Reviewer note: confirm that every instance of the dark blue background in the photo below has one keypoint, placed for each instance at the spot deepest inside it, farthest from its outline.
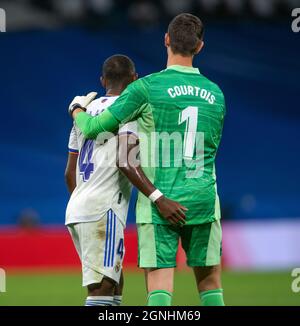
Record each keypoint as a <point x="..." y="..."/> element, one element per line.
<point x="256" y="65"/>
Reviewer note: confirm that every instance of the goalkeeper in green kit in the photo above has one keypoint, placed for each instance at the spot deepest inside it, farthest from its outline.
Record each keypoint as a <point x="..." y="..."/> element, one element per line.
<point x="180" y="115"/>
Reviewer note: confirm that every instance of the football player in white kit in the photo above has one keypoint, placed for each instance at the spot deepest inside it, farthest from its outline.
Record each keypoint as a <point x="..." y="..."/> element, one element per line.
<point x="97" y="210"/>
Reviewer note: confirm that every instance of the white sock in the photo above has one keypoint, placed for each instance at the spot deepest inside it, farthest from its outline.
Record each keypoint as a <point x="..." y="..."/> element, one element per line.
<point x="117" y="300"/>
<point x="99" y="301"/>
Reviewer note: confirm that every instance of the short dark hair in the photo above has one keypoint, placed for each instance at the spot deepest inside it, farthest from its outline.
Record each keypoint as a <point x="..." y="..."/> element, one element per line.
<point x="185" y="31"/>
<point x="118" y="70"/>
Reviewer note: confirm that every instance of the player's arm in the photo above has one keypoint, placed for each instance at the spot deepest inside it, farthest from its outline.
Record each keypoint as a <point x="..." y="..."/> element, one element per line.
<point x="70" y="172"/>
<point x="129" y="165"/>
<point x="126" y="108"/>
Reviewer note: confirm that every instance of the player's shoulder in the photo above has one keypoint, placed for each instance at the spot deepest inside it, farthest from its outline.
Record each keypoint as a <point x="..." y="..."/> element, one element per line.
<point x="212" y="85"/>
<point x="155" y="75"/>
<point x="95" y="102"/>
<point x="144" y="83"/>
<point x="103" y="101"/>
<point x="217" y="92"/>
<point x="147" y="80"/>
<point x="100" y="104"/>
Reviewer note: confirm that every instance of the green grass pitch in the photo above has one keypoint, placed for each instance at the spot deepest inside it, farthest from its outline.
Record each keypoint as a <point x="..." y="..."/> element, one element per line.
<point x="64" y="288"/>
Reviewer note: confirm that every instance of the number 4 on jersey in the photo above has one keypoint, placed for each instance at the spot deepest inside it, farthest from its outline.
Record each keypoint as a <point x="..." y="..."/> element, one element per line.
<point x="120" y="250"/>
<point x="86" y="166"/>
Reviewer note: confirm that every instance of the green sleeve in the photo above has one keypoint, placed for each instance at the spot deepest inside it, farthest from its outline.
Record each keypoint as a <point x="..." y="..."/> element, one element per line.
<point x="92" y="126"/>
<point x="131" y="102"/>
<point x="126" y="108"/>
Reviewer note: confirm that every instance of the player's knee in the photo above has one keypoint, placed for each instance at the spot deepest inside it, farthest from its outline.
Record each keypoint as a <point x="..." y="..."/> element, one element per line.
<point x="105" y="288"/>
<point x="160" y="279"/>
<point x="210" y="283"/>
<point x="208" y="278"/>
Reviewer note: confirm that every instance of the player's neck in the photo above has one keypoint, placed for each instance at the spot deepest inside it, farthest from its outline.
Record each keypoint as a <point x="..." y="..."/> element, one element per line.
<point x="179" y="60"/>
<point x="113" y="92"/>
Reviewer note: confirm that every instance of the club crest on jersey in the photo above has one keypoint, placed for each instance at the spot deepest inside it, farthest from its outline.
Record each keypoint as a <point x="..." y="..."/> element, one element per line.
<point x="118" y="267"/>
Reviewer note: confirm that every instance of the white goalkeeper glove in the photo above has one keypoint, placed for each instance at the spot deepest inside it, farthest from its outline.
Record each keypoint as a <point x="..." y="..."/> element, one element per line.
<point x="81" y="102"/>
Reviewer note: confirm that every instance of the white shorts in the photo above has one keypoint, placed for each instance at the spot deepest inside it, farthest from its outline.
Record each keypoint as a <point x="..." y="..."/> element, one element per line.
<point x="100" y="246"/>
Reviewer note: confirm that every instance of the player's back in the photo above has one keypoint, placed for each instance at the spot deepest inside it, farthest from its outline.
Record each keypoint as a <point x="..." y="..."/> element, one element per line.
<point x="185" y="115"/>
<point x="100" y="185"/>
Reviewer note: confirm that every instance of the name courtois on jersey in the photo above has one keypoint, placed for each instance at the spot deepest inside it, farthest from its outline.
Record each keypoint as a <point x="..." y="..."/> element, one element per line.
<point x="183" y="90"/>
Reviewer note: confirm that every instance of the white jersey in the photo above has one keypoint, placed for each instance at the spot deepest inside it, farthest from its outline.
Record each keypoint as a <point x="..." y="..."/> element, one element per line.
<point x="100" y="186"/>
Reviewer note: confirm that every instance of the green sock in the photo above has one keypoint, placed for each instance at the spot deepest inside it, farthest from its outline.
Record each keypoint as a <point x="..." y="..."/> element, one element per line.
<point x="212" y="298"/>
<point x="159" y="298"/>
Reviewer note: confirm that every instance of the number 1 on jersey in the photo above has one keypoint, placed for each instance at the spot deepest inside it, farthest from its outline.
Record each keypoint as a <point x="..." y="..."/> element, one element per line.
<point x="190" y="115"/>
<point x="192" y="140"/>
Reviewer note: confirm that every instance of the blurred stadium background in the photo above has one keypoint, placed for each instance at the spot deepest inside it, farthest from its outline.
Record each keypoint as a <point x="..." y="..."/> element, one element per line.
<point x="53" y="50"/>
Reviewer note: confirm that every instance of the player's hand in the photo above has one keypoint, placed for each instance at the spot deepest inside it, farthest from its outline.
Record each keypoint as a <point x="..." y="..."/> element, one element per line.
<point x="81" y="102"/>
<point x="171" y="210"/>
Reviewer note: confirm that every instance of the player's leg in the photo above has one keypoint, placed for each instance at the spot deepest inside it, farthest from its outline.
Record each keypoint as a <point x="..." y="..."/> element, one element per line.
<point x="202" y="244"/>
<point x="159" y="286"/>
<point x="104" y="288"/>
<point x="118" y="293"/>
<point x="209" y="285"/>
<point x="157" y="256"/>
<point x="111" y="256"/>
<point x="90" y="247"/>
<point x="101" y="257"/>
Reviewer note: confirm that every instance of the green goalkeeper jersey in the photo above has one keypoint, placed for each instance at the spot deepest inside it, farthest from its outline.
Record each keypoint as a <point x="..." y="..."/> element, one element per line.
<point x="180" y="116"/>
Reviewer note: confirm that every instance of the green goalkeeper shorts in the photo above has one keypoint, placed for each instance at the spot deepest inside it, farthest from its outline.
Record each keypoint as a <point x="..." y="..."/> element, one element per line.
<point x="158" y="244"/>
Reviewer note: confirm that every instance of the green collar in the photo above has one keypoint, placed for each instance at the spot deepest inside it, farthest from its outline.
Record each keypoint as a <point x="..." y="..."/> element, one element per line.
<point x="189" y="70"/>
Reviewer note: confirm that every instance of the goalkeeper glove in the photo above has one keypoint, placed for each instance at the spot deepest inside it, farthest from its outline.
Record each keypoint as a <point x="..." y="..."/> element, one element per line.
<point x="81" y="102"/>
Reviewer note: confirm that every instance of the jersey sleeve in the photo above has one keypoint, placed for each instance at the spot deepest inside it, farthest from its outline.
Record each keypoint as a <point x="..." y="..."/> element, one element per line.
<point x="126" y="108"/>
<point x="73" y="142"/>
<point x="131" y="102"/>
<point x="91" y="127"/>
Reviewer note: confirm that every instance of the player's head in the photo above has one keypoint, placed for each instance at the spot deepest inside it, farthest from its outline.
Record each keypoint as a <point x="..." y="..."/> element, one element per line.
<point x="185" y="35"/>
<point x="117" y="72"/>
